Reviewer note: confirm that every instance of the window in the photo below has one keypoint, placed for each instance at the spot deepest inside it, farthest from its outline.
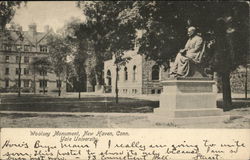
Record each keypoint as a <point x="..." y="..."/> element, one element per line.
<point x="159" y="91"/>
<point x="26" y="59"/>
<point x="3" y="46"/>
<point x="125" y="73"/>
<point x="42" y="83"/>
<point x="7" y="71"/>
<point x="155" y="72"/>
<point x="7" y="58"/>
<point x="27" y="48"/>
<point x="7" y="47"/>
<point x="17" y="59"/>
<point x="134" y="91"/>
<point x="58" y="83"/>
<point x="16" y="82"/>
<point x="152" y="91"/>
<point x="26" y="83"/>
<point x="17" y="71"/>
<point x="6" y="83"/>
<point x="43" y="49"/>
<point x="19" y="47"/>
<point x="125" y="90"/>
<point x="134" y="73"/>
<point x="25" y="71"/>
<point x="43" y="73"/>
<point x="109" y="77"/>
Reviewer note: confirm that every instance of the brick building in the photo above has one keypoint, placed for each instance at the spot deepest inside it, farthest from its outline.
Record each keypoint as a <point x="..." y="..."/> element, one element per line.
<point x="138" y="76"/>
<point x="33" y="45"/>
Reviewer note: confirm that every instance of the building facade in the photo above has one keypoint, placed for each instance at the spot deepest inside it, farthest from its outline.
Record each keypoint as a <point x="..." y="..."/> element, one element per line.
<point x="138" y="76"/>
<point x="33" y="44"/>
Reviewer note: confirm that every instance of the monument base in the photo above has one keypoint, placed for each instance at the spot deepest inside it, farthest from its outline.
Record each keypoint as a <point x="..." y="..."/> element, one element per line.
<point x="188" y="101"/>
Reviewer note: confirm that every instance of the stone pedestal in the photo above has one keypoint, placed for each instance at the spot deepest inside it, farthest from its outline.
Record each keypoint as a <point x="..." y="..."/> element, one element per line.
<point x="188" y="101"/>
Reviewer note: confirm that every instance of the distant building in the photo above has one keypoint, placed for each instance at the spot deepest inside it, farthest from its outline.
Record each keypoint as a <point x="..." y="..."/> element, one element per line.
<point x="138" y="76"/>
<point x="33" y="45"/>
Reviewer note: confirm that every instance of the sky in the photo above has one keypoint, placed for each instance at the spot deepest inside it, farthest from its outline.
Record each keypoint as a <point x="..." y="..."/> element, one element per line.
<point x="52" y="13"/>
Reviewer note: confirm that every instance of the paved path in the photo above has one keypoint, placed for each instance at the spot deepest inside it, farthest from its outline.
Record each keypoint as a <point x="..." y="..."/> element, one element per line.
<point x="152" y="97"/>
<point x="78" y="113"/>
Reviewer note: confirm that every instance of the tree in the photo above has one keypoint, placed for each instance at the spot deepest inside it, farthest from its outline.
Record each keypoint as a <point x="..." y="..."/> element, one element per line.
<point x="7" y="11"/>
<point x="16" y="38"/>
<point x="164" y="25"/>
<point x="120" y="60"/>
<point x="59" y="49"/>
<point x="20" y="35"/>
<point x="42" y="65"/>
<point x="108" y="33"/>
<point x="75" y="33"/>
<point x="96" y="29"/>
<point x="80" y="72"/>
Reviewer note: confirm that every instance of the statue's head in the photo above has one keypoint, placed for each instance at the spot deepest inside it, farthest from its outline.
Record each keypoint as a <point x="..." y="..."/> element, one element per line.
<point x="191" y="31"/>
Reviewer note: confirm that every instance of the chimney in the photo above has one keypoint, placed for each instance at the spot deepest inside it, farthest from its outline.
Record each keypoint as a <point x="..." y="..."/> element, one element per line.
<point x="32" y="28"/>
<point x="46" y="28"/>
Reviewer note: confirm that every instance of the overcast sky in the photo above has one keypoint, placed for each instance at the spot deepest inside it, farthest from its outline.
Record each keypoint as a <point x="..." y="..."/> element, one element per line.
<point x="49" y="13"/>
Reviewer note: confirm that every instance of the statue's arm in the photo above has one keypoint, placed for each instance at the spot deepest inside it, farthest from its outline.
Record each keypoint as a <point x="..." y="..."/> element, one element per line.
<point x="198" y="46"/>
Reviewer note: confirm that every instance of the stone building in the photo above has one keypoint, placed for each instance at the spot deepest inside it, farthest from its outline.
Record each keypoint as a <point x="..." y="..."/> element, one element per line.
<point x="33" y="45"/>
<point x="138" y="76"/>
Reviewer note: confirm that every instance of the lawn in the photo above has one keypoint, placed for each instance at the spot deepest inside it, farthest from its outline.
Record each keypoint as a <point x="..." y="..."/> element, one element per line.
<point x="40" y="103"/>
<point x="69" y="112"/>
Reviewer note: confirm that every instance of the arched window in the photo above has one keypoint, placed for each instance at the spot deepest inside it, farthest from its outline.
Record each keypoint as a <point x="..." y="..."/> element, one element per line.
<point x="125" y="73"/>
<point x="155" y="72"/>
<point x="109" y="77"/>
<point x="134" y="73"/>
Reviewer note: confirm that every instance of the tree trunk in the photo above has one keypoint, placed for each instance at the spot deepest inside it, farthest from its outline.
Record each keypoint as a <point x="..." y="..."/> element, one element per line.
<point x="34" y="83"/>
<point x="246" y="84"/>
<point x="226" y="90"/>
<point x="59" y="87"/>
<point x="79" y="89"/>
<point x="19" y="74"/>
<point x="43" y="82"/>
<point x="116" y="85"/>
<point x="79" y="94"/>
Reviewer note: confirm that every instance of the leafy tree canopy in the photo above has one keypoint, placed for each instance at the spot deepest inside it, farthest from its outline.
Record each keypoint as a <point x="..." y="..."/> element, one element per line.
<point x="7" y="11"/>
<point x="165" y="23"/>
<point x="107" y="34"/>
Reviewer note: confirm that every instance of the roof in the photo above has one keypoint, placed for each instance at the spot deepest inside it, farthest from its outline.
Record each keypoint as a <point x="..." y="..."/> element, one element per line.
<point x="30" y="38"/>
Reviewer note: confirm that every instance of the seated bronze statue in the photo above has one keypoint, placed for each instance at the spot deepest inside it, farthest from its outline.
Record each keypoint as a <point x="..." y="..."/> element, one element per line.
<point x="188" y="60"/>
